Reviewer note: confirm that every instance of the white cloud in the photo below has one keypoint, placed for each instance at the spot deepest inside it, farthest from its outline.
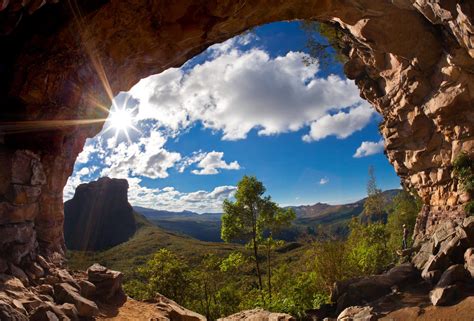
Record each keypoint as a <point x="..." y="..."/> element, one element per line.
<point x="369" y="148"/>
<point x="341" y="125"/>
<point x="147" y="158"/>
<point x="247" y="90"/>
<point x="87" y="151"/>
<point x="171" y="199"/>
<point x="323" y="181"/>
<point x="210" y="163"/>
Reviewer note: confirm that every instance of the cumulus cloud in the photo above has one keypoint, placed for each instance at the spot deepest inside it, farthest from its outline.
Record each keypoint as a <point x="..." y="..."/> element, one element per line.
<point x="248" y="90"/>
<point x="369" y="148"/>
<point x="210" y="163"/>
<point x="169" y="198"/>
<point x="341" y="125"/>
<point x="147" y="157"/>
<point x="323" y="181"/>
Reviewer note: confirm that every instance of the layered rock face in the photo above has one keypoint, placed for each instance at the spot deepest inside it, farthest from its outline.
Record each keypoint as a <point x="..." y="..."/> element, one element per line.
<point x="98" y="216"/>
<point x="412" y="59"/>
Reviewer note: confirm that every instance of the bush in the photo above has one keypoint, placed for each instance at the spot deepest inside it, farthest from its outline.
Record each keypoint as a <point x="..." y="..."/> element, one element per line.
<point x="403" y="210"/>
<point x="463" y="168"/>
<point x="368" y="252"/>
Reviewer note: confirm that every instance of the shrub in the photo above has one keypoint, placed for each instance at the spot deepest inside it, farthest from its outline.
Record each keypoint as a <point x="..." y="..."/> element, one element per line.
<point x="463" y="168"/>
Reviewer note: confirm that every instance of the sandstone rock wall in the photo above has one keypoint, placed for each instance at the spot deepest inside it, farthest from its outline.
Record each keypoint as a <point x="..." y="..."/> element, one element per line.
<point x="412" y="59"/>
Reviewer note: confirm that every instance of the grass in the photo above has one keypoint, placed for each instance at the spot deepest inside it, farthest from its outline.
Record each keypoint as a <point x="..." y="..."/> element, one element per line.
<point x="147" y="240"/>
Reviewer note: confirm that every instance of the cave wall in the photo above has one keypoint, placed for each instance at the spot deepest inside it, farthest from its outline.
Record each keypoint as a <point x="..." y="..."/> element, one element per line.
<point x="412" y="59"/>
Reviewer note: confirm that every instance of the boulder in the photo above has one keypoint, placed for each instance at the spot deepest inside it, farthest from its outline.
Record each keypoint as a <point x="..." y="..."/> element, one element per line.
<point x="44" y="313"/>
<point x="423" y="255"/>
<point x="469" y="260"/>
<point x="373" y="287"/>
<point x="455" y="273"/>
<point x="88" y="289"/>
<point x="445" y="295"/>
<point x="8" y="312"/>
<point x="70" y="311"/>
<point x="66" y="293"/>
<point x="108" y="284"/>
<point x="257" y="315"/>
<point x="442" y="232"/>
<point x="357" y="313"/>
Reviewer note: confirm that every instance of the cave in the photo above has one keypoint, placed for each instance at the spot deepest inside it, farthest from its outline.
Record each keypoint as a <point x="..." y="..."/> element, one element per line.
<point x="64" y="61"/>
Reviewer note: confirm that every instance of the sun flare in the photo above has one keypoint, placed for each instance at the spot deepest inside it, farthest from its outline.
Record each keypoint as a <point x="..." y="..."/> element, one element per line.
<point x="122" y="121"/>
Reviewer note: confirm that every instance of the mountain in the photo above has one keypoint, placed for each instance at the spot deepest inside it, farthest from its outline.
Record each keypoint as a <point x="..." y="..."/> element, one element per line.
<point x="310" y="219"/>
<point x="146" y="241"/>
<point x="204" y="227"/>
<point x="99" y="215"/>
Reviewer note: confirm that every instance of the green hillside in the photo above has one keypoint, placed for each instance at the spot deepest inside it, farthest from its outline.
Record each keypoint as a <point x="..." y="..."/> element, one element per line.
<point x="147" y="240"/>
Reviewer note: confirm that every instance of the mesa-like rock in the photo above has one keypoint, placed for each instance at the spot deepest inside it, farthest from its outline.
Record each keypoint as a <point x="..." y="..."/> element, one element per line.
<point x="99" y="215"/>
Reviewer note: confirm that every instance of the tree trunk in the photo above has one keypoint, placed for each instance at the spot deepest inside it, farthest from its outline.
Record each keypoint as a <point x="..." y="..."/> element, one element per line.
<point x="255" y="252"/>
<point x="269" y="273"/>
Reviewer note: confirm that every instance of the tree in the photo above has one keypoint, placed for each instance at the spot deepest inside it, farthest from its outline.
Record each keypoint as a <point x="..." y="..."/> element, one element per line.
<point x="250" y="216"/>
<point x="325" y="43"/>
<point x="403" y="210"/>
<point x="375" y="202"/>
<point x="278" y="219"/>
<point x="166" y="273"/>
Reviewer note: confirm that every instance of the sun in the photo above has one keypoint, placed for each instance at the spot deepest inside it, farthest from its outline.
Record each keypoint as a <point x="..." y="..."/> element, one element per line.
<point x="122" y="121"/>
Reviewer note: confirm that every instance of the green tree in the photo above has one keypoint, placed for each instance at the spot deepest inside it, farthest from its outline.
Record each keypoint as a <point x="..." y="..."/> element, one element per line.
<point x="324" y="42"/>
<point x="374" y="205"/>
<point x="167" y="274"/>
<point x="367" y="247"/>
<point x="250" y="216"/>
<point x="403" y="210"/>
<point x="463" y="169"/>
<point x="274" y="222"/>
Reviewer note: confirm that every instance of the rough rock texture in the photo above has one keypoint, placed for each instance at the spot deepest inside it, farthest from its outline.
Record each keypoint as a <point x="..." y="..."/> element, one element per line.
<point x="99" y="215"/>
<point x="360" y="291"/>
<point x="357" y="313"/>
<point x="173" y="311"/>
<point x="412" y="59"/>
<point x="55" y="296"/>
<point x="258" y="315"/>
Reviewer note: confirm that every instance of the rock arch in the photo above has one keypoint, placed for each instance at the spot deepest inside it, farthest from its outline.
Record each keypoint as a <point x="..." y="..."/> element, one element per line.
<point x="412" y="59"/>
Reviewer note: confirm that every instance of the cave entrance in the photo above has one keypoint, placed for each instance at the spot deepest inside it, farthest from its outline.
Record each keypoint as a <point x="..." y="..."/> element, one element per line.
<point x="257" y="104"/>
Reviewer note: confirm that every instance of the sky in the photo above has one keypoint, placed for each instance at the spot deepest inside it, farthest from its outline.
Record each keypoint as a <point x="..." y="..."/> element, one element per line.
<point x="247" y="106"/>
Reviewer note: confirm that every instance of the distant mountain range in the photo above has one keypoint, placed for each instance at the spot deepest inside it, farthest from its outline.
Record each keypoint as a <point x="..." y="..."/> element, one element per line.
<point x="310" y="219"/>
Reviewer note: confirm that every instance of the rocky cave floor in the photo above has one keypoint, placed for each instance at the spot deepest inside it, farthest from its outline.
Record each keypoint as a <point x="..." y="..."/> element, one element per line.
<point x="435" y="283"/>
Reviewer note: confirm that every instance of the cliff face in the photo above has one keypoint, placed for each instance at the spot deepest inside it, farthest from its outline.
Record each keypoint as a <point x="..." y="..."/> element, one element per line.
<point x="98" y="216"/>
<point x="412" y="59"/>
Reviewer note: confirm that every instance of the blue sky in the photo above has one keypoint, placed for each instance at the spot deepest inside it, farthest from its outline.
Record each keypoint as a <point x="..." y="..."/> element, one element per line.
<point x="248" y="106"/>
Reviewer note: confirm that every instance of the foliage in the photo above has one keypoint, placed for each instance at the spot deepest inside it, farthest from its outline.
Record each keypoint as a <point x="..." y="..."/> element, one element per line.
<point x="403" y="210"/>
<point x="374" y="205"/>
<point x="250" y="216"/>
<point x="463" y="167"/>
<point x="166" y="273"/>
<point x="368" y="252"/>
<point x="324" y="42"/>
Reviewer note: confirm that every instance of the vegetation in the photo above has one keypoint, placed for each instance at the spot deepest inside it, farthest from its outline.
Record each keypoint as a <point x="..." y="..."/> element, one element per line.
<point x="250" y="216"/>
<point x="325" y="43"/>
<point x="464" y="170"/>
<point x="374" y="206"/>
<point x="219" y="279"/>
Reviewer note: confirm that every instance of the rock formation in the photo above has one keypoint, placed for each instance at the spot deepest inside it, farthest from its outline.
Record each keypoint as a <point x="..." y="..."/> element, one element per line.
<point x="413" y="60"/>
<point x="56" y="294"/>
<point x="258" y="315"/>
<point x="99" y="215"/>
